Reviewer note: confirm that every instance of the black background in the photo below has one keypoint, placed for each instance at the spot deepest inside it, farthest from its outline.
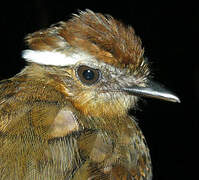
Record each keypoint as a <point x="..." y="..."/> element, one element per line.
<point x="169" y="32"/>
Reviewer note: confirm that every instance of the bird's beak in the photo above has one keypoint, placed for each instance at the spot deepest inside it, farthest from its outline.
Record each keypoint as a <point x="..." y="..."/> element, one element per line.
<point x="152" y="90"/>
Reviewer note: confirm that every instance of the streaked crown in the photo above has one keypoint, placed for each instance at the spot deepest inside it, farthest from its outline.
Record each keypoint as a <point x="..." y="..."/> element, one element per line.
<point x="87" y="34"/>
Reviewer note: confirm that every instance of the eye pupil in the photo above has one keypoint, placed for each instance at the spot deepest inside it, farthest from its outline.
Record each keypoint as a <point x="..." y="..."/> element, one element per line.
<point x="88" y="74"/>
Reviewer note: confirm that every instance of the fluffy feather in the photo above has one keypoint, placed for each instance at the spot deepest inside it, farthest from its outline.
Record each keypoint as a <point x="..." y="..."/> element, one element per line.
<point x="100" y="36"/>
<point x="54" y="58"/>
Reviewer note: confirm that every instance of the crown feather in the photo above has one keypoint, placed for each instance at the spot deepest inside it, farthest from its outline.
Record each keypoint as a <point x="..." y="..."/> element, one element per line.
<point x="100" y="36"/>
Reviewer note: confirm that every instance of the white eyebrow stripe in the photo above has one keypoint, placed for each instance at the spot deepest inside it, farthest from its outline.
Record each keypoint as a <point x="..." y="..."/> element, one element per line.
<point x="53" y="58"/>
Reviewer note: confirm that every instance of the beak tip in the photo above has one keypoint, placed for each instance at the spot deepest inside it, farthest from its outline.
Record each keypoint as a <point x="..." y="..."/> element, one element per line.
<point x="172" y="98"/>
<point x="177" y="100"/>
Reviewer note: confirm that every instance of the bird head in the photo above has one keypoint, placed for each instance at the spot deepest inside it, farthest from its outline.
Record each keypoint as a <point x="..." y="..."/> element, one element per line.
<point x="96" y="62"/>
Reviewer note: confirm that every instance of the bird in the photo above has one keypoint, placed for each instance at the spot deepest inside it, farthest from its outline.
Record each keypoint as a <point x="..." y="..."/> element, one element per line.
<point x="66" y="114"/>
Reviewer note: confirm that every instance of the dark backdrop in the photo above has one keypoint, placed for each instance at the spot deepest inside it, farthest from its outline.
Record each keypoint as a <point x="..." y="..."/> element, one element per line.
<point x="169" y="32"/>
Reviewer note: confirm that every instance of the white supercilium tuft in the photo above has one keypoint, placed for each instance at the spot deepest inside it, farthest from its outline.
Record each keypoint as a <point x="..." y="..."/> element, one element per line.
<point x="53" y="58"/>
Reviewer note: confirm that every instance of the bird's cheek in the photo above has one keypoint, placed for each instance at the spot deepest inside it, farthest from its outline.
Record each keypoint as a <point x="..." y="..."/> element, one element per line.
<point x="102" y="105"/>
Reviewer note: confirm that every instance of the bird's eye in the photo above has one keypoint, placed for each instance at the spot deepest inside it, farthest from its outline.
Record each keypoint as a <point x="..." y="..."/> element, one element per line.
<point x="88" y="75"/>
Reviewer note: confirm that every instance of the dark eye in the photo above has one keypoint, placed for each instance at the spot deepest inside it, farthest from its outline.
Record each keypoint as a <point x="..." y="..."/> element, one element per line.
<point x="88" y="75"/>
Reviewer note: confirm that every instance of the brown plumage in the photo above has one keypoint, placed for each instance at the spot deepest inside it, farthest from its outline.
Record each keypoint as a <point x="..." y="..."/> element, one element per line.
<point x="101" y="36"/>
<point x="69" y="119"/>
